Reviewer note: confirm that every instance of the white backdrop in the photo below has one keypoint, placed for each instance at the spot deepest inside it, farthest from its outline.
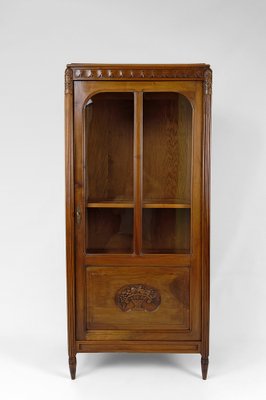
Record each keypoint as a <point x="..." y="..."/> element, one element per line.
<point x="37" y="39"/>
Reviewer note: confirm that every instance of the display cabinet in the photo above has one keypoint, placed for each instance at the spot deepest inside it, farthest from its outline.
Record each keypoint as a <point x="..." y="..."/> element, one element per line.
<point x="137" y="208"/>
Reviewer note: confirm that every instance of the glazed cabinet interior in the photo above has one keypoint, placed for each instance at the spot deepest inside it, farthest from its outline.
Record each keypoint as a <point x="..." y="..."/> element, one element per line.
<point x="136" y="211"/>
<point x="115" y="175"/>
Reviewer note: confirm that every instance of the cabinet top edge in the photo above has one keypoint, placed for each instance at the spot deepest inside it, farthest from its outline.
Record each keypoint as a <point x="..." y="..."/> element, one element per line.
<point x="130" y="66"/>
<point x="137" y="71"/>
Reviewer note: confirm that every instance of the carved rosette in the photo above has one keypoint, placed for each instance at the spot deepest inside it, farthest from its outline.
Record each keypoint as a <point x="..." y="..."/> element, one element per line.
<point x="137" y="74"/>
<point x="208" y="81"/>
<point x="138" y="297"/>
<point x="68" y="81"/>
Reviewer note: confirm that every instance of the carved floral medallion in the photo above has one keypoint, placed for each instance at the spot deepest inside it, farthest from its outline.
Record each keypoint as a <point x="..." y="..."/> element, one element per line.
<point x="138" y="297"/>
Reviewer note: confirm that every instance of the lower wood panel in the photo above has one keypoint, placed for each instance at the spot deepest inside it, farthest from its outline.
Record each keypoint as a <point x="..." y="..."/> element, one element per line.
<point x="130" y="299"/>
<point x="138" y="346"/>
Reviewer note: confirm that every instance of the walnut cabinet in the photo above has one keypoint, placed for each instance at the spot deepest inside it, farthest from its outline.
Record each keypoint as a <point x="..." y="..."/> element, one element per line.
<point x="137" y="208"/>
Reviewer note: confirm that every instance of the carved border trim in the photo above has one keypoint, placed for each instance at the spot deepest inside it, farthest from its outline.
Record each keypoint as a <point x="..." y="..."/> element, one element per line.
<point x="92" y="73"/>
<point x="68" y="81"/>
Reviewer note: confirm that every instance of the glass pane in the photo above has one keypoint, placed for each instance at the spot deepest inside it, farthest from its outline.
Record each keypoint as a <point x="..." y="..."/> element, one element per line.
<point x="167" y="153"/>
<point x="109" y="126"/>
<point x="109" y="230"/>
<point x="167" y="143"/>
<point x="166" y="230"/>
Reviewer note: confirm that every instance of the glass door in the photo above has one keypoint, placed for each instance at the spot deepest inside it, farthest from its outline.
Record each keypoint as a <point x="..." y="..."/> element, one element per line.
<point x="138" y="151"/>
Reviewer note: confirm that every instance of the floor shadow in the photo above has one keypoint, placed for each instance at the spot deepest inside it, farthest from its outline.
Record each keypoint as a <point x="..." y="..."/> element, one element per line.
<point x="87" y="365"/>
<point x="51" y="358"/>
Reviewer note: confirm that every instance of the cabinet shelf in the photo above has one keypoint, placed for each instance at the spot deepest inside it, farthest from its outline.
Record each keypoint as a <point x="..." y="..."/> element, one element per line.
<point x="166" y="251"/>
<point x="110" y="204"/>
<point x="166" y="205"/>
<point x="117" y="204"/>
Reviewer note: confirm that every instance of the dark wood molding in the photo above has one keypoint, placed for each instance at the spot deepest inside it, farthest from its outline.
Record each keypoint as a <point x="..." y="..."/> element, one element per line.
<point x="138" y="72"/>
<point x="69" y="188"/>
<point x="206" y="170"/>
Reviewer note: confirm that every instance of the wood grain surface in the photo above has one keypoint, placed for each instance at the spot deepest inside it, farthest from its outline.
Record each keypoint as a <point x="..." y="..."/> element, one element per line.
<point x="138" y="208"/>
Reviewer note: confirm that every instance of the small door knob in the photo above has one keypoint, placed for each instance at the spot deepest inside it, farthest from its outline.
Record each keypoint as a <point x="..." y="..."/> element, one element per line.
<point x="78" y="215"/>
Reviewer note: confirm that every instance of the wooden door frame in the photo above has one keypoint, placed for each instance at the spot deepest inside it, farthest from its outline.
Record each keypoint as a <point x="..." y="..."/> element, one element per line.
<point x="83" y="92"/>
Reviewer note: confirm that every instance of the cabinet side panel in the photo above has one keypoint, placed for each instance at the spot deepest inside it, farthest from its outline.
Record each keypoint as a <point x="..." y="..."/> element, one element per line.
<point x="207" y="88"/>
<point x="69" y="210"/>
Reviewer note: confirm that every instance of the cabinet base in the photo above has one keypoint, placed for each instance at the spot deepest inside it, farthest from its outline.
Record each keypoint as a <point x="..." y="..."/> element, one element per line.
<point x="72" y="361"/>
<point x="204" y="367"/>
<point x="73" y="364"/>
<point x="138" y="346"/>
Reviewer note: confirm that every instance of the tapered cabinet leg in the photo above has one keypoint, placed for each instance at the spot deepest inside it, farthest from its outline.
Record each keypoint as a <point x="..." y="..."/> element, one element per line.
<point x="204" y="367"/>
<point x="72" y="366"/>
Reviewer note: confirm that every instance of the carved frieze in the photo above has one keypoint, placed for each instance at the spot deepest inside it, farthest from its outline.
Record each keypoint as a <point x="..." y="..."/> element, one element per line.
<point x="97" y="73"/>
